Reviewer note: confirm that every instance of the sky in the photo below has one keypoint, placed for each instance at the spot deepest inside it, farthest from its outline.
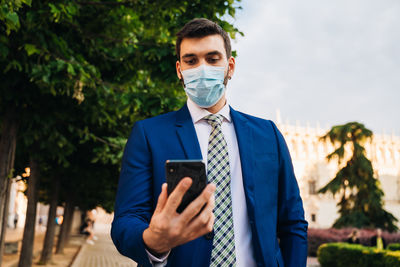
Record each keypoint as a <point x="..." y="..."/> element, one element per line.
<point x="321" y="61"/>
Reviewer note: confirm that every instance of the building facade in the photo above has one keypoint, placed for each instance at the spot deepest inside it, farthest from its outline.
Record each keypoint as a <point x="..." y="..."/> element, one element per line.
<point x="313" y="171"/>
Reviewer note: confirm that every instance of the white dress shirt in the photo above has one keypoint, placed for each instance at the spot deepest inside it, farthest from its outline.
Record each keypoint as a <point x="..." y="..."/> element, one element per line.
<point x="241" y="226"/>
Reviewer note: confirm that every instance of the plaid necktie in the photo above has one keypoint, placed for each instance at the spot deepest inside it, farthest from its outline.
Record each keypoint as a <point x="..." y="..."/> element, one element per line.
<point x="223" y="252"/>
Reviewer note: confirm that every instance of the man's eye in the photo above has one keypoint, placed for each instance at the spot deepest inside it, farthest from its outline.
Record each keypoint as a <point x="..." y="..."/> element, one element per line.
<point x="190" y="61"/>
<point x="212" y="60"/>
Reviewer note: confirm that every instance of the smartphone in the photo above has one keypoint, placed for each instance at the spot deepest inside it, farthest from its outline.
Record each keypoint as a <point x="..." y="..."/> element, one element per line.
<point x="176" y="170"/>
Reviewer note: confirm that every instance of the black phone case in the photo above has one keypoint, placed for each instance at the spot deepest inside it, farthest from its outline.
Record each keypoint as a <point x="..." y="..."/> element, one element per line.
<point x="176" y="170"/>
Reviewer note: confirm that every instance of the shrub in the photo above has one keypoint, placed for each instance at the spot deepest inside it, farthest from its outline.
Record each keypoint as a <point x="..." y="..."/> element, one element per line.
<point x="391" y="238"/>
<point x="317" y="237"/>
<point x="392" y="258"/>
<point x="394" y="246"/>
<point x="343" y="254"/>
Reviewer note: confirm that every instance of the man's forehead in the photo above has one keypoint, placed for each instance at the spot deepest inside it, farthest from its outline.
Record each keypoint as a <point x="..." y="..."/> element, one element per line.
<point x="211" y="44"/>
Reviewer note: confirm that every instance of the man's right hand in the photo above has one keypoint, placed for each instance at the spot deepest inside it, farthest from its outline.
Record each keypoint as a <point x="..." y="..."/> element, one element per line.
<point x="168" y="229"/>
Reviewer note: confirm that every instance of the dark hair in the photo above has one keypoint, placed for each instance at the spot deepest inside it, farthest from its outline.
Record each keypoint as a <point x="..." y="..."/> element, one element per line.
<point x="198" y="28"/>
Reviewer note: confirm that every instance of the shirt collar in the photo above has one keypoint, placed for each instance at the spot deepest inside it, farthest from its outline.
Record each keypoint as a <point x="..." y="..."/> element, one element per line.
<point x="197" y="113"/>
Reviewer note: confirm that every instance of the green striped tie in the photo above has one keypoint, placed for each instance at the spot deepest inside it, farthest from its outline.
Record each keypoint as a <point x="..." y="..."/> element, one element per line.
<point x="223" y="252"/>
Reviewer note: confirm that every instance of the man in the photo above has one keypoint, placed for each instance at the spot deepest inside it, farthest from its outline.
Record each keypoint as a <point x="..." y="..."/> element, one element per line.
<point x="377" y="240"/>
<point x="253" y="214"/>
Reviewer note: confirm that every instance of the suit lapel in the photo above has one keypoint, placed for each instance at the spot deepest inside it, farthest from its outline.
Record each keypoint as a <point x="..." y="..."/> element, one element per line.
<point x="190" y="144"/>
<point x="244" y="135"/>
<point x="187" y="134"/>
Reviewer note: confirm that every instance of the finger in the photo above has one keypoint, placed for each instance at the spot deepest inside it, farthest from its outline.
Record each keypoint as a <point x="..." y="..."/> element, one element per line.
<point x="196" y="205"/>
<point x="210" y="224"/>
<point x="206" y="213"/>
<point x="162" y="198"/>
<point x="200" y="229"/>
<point x="201" y="220"/>
<point x="175" y="198"/>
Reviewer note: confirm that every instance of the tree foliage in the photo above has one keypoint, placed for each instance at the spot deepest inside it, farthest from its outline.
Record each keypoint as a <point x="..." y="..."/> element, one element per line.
<point x="84" y="71"/>
<point x="9" y="15"/>
<point x="361" y="203"/>
<point x="78" y="74"/>
<point x="115" y="58"/>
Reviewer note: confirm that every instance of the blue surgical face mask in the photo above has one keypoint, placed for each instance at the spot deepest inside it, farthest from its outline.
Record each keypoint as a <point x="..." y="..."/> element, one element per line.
<point x="204" y="85"/>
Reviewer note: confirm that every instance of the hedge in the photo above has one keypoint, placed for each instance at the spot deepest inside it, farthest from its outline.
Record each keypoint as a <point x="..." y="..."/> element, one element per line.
<point x="394" y="246"/>
<point x="317" y="237"/>
<point x="343" y="254"/>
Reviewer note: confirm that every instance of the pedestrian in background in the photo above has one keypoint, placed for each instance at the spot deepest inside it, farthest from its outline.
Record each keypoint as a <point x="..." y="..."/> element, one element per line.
<point x="353" y="238"/>
<point x="15" y="220"/>
<point x="377" y="240"/>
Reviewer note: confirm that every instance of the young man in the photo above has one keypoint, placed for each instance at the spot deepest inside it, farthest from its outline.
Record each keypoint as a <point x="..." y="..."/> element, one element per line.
<point x="253" y="214"/>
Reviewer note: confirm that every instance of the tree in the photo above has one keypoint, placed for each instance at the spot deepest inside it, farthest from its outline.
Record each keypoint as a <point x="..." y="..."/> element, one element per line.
<point x="7" y="155"/>
<point x="106" y="64"/>
<point x="47" y="250"/>
<point x="30" y="221"/>
<point x="361" y="203"/>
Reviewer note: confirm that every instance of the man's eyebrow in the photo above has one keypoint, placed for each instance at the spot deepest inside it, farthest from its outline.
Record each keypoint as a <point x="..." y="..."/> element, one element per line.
<point x="214" y="53"/>
<point x="188" y="55"/>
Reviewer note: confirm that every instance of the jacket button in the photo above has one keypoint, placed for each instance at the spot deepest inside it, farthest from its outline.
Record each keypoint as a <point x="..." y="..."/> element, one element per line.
<point x="209" y="235"/>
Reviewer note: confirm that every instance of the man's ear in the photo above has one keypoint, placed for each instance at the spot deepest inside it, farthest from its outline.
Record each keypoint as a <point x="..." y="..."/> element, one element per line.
<point x="178" y="70"/>
<point x="231" y="69"/>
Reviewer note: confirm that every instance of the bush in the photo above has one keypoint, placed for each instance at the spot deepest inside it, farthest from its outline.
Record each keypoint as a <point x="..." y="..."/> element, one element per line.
<point x="317" y="237"/>
<point x="343" y="254"/>
<point x="392" y="258"/>
<point x="391" y="238"/>
<point x="394" y="246"/>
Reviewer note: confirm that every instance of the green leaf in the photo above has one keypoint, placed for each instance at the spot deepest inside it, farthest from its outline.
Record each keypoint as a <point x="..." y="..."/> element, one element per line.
<point x="27" y="2"/>
<point x="3" y="50"/>
<point x="13" y="65"/>
<point x="31" y="49"/>
<point x="53" y="9"/>
<point x="13" y="18"/>
<point x="71" y="69"/>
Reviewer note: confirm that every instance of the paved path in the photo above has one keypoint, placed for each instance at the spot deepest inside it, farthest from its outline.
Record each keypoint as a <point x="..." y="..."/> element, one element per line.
<point x="10" y="260"/>
<point x="103" y="253"/>
<point x="312" y="262"/>
<point x="14" y="234"/>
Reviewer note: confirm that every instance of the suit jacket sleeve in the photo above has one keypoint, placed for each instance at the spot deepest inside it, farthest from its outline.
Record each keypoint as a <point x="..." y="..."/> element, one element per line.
<point x="133" y="206"/>
<point x="292" y="228"/>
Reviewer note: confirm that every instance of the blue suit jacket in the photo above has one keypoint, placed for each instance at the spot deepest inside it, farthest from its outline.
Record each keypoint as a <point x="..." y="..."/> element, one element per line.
<point x="273" y="201"/>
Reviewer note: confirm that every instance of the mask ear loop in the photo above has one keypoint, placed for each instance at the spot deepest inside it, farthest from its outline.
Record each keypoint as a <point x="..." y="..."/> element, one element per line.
<point x="181" y="79"/>
<point x="227" y="77"/>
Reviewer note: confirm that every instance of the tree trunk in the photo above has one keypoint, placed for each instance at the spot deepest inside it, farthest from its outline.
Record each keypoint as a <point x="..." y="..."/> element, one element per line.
<point x="66" y="226"/>
<point x="5" y="219"/>
<point x="8" y="141"/>
<point x="69" y="225"/>
<point x="51" y="224"/>
<point x="25" y="258"/>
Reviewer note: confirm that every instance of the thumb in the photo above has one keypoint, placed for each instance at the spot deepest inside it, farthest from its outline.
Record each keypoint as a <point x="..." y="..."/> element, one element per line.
<point x="162" y="199"/>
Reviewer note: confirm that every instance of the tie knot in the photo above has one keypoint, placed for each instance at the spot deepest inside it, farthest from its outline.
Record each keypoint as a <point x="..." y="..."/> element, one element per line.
<point x="214" y="119"/>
